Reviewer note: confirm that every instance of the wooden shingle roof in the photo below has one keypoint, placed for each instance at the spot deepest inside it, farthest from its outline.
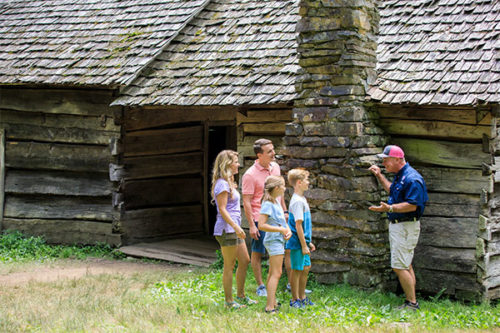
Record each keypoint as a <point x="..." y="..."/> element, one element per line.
<point x="86" y="42"/>
<point x="234" y="52"/>
<point x="438" y="52"/>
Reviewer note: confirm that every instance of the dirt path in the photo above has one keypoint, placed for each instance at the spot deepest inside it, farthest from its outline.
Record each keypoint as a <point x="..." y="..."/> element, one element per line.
<point x="74" y="269"/>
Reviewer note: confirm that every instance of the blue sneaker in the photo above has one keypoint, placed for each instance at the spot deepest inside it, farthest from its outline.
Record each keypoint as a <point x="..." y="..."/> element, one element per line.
<point x="261" y="291"/>
<point x="306" y="301"/>
<point x="296" y="304"/>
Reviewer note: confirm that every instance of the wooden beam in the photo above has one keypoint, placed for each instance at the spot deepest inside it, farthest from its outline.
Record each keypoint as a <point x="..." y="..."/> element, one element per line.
<point x="453" y="114"/>
<point x="445" y="180"/>
<point x="445" y="259"/>
<point x="164" y="165"/>
<point x="2" y="175"/>
<point x="206" y="177"/>
<point x="449" y="232"/>
<point x="264" y="128"/>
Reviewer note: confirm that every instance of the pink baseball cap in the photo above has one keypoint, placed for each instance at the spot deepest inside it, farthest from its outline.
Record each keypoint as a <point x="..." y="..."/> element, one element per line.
<point x="392" y="151"/>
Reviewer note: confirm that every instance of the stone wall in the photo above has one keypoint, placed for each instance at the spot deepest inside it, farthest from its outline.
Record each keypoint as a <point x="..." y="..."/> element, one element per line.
<point x="333" y="135"/>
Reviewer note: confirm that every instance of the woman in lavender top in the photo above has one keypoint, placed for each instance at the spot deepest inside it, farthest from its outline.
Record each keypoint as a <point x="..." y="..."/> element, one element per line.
<point x="227" y="230"/>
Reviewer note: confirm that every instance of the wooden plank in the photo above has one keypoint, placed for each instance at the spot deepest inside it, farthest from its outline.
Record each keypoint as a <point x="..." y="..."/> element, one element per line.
<point x="162" y="192"/>
<point x="450" y="154"/>
<point x="445" y="259"/>
<point x="154" y="223"/>
<point x="69" y="101"/>
<point x="163" y="165"/>
<point x="165" y="141"/>
<point x="456" y="205"/>
<point x="21" y="132"/>
<point x="57" y="183"/>
<point x="58" y="120"/>
<point x="433" y="281"/>
<point x="447" y="114"/>
<point x="261" y="116"/>
<point x="57" y="207"/>
<point x="139" y="119"/>
<point x="264" y="128"/>
<point x="2" y="175"/>
<point x="34" y="155"/>
<point x="449" y="232"/>
<point x="445" y="180"/>
<point x="434" y="129"/>
<point x="66" y="231"/>
<point x="206" y="177"/>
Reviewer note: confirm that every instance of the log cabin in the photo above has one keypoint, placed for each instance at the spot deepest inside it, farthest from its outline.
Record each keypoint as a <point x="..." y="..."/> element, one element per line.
<point x="111" y="113"/>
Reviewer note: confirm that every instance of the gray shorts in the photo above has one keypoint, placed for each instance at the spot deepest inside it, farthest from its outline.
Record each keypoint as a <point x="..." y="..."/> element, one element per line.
<point x="228" y="239"/>
<point x="403" y="238"/>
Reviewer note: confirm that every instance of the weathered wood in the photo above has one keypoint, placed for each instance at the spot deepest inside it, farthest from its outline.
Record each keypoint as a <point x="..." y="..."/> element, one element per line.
<point x="456" y="205"/>
<point x="493" y="248"/>
<point x="433" y="281"/>
<point x="445" y="259"/>
<point x="165" y="141"/>
<point x="163" y="165"/>
<point x="264" y="128"/>
<point x="434" y="129"/>
<point x="493" y="293"/>
<point x="492" y="282"/>
<point x="449" y="232"/>
<point x="445" y="180"/>
<point x="206" y="177"/>
<point x="87" y="102"/>
<point x="56" y="207"/>
<point x="245" y="144"/>
<point x="66" y="231"/>
<point x="453" y="115"/>
<point x="2" y="174"/>
<point x="138" y="119"/>
<point x="34" y="155"/>
<point x="444" y="153"/>
<point x="161" y="222"/>
<point x="19" y="132"/>
<point x="58" y="183"/>
<point x="261" y="116"/>
<point x="490" y="266"/>
<point x="162" y="192"/>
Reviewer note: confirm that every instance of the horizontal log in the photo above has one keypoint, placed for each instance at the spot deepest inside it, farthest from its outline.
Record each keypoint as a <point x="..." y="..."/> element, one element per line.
<point x="34" y="155"/>
<point x="164" y="141"/>
<point x="446" y="114"/>
<point x="245" y="146"/>
<point x="161" y="222"/>
<point x="162" y="192"/>
<point x="264" y="128"/>
<point x="449" y="232"/>
<point x="70" y="101"/>
<point x="57" y="183"/>
<point x="261" y="116"/>
<point x="451" y="180"/>
<point x="456" y="205"/>
<point x="434" y="129"/>
<point x="138" y="119"/>
<point x="444" y="153"/>
<point x="434" y="281"/>
<point x="58" y="207"/>
<point x="20" y="132"/>
<point x="493" y="293"/>
<point x="65" y="231"/>
<point x="445" y="259"/>
<point x="163" y="165"/>
<point x="98" y="123"/>
<point x="493" y="248"/>
<point x="492" y="282"/>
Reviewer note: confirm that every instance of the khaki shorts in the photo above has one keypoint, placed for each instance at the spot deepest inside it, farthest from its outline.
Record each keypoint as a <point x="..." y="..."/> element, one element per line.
<point x="228" y="239"/>
<point x="403" y="238"/>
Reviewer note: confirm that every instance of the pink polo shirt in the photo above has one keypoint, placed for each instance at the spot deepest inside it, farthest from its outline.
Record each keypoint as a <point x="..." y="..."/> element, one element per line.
<point x="253" y="183"/>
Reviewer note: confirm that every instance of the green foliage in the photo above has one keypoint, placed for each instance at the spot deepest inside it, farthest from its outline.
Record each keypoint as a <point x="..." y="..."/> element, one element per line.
<point x="15" y="247"/>
<point x="219" y="262"/>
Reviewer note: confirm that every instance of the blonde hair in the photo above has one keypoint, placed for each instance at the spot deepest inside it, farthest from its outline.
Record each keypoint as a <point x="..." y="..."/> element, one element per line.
<point x="297" y="174"/>
<point x="271" y="183"/>
<point x="222" y="169"/>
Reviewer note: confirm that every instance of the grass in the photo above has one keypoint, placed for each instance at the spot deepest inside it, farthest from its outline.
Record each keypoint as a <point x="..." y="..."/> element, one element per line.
<point x="191" y="300"/>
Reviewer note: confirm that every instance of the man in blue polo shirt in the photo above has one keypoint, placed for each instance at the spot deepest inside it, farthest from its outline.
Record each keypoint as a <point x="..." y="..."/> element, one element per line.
<point x="406" y="204"/>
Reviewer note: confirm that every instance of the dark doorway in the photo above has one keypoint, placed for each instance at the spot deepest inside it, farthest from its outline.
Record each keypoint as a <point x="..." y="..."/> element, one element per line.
<point x="219" y="138"/>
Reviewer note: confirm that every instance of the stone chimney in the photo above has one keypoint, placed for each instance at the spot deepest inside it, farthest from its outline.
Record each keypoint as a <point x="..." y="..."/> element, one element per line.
<point x="333" y="135"/>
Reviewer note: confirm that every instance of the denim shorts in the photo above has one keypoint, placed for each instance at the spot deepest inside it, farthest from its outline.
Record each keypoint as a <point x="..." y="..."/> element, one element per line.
<point x="403" y="238"/>
<point x="275" y="247"/>
<point x="258" y="245"/>
<point x="228" y="239"/>
<point x="299" y="260"/>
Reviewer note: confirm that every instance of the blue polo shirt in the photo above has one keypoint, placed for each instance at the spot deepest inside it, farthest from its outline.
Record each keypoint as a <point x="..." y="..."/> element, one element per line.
<point x="408" y="186"/>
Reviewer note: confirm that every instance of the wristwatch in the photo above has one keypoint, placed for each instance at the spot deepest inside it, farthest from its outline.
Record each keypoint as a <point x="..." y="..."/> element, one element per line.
<point x="390" y="209"/>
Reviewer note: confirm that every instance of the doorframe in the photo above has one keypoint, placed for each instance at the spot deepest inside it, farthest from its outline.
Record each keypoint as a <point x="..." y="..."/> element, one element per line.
<point x="2" y="175"/>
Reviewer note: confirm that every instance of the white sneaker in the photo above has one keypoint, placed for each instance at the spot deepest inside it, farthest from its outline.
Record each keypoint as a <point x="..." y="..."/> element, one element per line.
<point x="262" y="291"/>
<point x="289" y="289"/>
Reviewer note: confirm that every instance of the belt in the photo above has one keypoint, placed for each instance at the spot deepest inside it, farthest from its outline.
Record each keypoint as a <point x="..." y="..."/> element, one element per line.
<point x="404" y="220"/>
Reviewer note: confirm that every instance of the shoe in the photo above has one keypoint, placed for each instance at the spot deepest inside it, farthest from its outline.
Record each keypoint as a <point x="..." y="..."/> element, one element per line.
<point x="273" y="311"/>
<point x="289" y="289"/>
<point x="234" y="305"/>
<point x="407" y="305"/>
<point x="261" y="291"/>
<point x="306" y="301"/>
<point x="246" y="300"/>
<point x="296" y="304"/>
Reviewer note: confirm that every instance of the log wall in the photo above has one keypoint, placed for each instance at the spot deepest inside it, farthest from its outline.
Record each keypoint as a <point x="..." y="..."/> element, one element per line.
<point x="450" y="148"/>
<point x="57" y="154"/>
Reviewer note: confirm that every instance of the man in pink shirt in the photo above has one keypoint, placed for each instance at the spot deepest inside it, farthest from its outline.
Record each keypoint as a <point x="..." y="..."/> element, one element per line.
<point x="253" y="190"/>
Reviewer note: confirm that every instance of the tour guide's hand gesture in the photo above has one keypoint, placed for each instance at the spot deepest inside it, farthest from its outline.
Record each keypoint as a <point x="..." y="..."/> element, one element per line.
<point x="384" y="207"/>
